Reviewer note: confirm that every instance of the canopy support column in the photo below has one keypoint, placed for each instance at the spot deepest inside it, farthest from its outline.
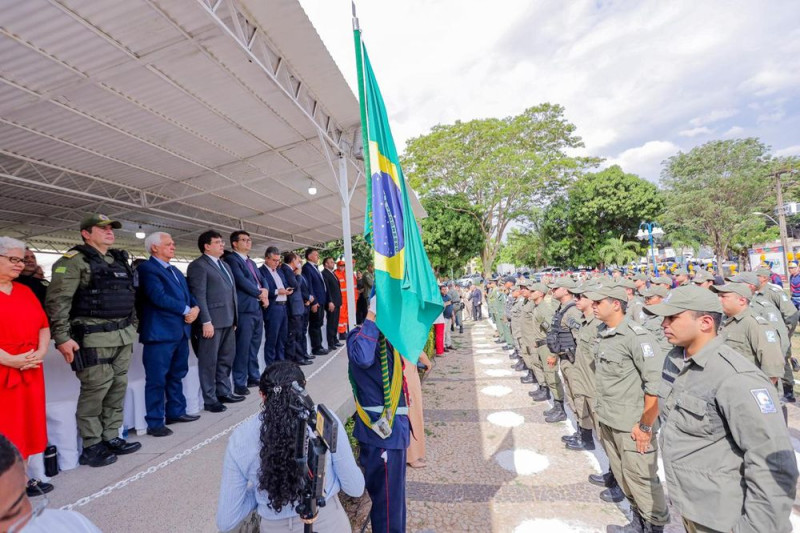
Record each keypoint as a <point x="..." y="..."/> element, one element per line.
<point x="344" y="191"/>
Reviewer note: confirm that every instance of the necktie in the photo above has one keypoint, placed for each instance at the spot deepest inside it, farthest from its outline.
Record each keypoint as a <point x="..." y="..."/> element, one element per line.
<point x="225" y="272"/>
<point x="175" y="273"/>
<point x="253" y="271"/>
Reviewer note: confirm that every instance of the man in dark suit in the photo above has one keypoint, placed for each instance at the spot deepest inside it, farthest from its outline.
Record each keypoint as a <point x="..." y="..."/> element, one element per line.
<point x="252" y="296"/>
<point x="167" y="310"/>
<point x="276" y="319"/>
<point x="211" y="283"/>
<point x="316" y="284"/>
<point x="334" y="303"/>
<point x="296" y="339"/>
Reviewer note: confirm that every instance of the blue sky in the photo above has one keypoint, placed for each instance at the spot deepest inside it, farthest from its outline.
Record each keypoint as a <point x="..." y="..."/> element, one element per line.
<point x="640" y="79"/>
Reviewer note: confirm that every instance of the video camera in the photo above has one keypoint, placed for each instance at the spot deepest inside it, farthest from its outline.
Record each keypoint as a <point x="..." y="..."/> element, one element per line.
<point x="310" y="452"/>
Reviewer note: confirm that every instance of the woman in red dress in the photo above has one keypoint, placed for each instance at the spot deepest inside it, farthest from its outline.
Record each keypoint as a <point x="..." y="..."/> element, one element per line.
<point x="24" y="336"/>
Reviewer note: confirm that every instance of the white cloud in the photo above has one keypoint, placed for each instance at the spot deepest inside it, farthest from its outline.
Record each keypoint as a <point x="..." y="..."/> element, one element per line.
<point x="694" y="132"/>
<point x="788" y="151"/>
<point x="645" y="161"/>
<point x="734" y="131"/>
<point x="626" y="72"/>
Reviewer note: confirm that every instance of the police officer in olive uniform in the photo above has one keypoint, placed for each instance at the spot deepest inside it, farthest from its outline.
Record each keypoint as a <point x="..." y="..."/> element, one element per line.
<point x="561" y="341"/>
<point x="747" y="333"/>
<point x="90" y="304"/>
<point x="508" y="303"/>
<point x="779" y="298"/>
<point x="542" y="319"/>
<point x="681" y="277"/>
<point x="703" y="279"/>
<point x="516" y="326"/>
<point x="729" y="463"/>
<point x="635" y="308"/>
<point x="526" y="342"/>
<point x="628" y="378"/>
<point x="653" y="295"/>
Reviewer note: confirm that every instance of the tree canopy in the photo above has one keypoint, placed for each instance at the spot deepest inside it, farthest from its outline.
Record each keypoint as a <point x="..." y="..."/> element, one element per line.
<point x="451" y="232"/>
<point x="503" y="167"/>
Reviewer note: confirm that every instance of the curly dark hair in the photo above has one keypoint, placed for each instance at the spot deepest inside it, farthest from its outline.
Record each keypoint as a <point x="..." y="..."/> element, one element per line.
<point x="279" y="474"/>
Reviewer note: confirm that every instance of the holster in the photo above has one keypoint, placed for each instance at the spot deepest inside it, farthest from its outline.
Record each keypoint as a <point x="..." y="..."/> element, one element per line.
<point x="88" y="357"/>
<point x="568" y="355"/>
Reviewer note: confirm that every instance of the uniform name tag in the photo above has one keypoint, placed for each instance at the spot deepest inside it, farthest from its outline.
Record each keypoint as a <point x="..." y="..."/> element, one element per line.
<point x="764" y="400"/>
<point x="647" y="350"/>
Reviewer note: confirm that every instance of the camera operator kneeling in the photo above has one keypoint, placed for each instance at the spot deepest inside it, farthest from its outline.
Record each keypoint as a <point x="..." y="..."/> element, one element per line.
<point x="261" y="471"/>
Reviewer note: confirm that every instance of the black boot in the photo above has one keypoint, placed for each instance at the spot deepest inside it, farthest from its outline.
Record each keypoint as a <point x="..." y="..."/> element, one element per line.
<point x="461" y="329"/>
<point x="541" y="395"/>
<point x="603" y="480"/>
<point x="651" y="528"/>
<point x="97" y="455"/>
<point x="520" y="365"/>
<point x="636" y="525"/>
<point x="788" y="397"/>
<point x="557" y="414"/>
<point x="585" y="442"/>
<point x="514" y="355"/>
<point x="612" y="494"/>
<point x="567" y="438"/>
<point x="528" y="378"/>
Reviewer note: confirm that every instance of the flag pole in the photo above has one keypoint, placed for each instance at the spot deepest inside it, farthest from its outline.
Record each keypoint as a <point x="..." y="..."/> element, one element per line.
<point x="362" y="101"/>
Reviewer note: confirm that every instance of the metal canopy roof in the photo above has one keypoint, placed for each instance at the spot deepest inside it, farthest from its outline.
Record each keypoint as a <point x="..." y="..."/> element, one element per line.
<point x="176" y="115"/>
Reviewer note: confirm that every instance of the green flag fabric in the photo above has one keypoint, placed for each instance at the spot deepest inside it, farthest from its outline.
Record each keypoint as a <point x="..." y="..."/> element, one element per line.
<point x="407" y="294"/>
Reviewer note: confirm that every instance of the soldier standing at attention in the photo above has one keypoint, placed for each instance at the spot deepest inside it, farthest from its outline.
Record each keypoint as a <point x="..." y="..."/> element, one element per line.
<point x="542" y="318"/>
<point x="579" y="373"/>
<point x="90" y="304"/>
<point x="628" y="378"/>
<point x="561" y="341"/>
<point x="729" y="463"/>
<point x="527" y="347"/>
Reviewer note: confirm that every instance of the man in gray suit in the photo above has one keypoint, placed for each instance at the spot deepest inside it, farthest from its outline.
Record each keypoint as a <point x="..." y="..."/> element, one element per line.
<point x="212" y="285"/>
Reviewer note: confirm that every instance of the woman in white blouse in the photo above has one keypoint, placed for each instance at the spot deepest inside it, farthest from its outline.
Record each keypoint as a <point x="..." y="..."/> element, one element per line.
<point x="260" y="471"/>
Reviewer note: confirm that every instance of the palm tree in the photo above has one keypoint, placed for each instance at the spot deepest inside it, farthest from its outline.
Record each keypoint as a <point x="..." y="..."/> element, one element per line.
<point x="618" y="252"/>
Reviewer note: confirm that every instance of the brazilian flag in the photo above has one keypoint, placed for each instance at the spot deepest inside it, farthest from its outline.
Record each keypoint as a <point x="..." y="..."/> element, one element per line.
<point x="408" y="298"/>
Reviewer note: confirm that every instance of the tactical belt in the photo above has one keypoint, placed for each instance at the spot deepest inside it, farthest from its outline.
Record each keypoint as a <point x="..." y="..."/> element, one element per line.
<point x="83" y="330"/>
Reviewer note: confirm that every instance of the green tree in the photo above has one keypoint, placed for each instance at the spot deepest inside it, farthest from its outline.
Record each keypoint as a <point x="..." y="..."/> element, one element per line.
<point x="750" y="231"/>
<point x="504" y="167"/>
<point x="451" y="232"/>
<point x="362" y="252"/>
<point x="715" y="187"/>
<point x="598" y="206"/>
<point x="618" y="252"/>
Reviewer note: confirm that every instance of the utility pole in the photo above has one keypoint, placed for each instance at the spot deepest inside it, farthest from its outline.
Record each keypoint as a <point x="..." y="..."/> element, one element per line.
<point x="782" y="222"/>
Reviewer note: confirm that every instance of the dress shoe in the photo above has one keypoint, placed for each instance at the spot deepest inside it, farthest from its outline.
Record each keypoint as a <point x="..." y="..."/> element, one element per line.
<point x="338" y="345"/>
<point x="163" y="431"/>
<point x="241" y="391"/>
<point x="309" y="356"/>
<point x="97" y="455"/>
<point x="215" y="407"/>
<point x="321" y="351"/>
<point x="253" y="383"/>
<point x="230" y="398"/>
<point x="603" y="480"/>
<point x="120" y="446"/>
<point x="36" y="487"/>
<point x="304" y="362"/>
<point x="612" y="495"/>
<point x="183" y="418"/>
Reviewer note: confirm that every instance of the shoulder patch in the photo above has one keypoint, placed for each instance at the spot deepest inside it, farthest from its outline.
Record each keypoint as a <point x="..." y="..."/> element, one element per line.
<point x="763" y="400"/>
<point x="71" y="254"/>
<point x="639" y="330"/>
<point x="60" y="270"/>
<point x="647" y="350"/>
<point x="772" y="336"/>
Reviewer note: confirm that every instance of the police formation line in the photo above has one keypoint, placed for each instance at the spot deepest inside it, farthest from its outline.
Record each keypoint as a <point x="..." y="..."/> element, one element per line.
<point x="696" y="373"/>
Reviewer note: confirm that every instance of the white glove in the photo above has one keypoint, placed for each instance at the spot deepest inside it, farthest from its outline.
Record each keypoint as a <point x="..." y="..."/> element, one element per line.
<point x="373" y="305"/>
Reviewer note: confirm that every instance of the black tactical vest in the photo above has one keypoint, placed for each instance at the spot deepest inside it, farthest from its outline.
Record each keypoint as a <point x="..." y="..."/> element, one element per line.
<point x="110" y="293"/>
<point x="559" y="337"/>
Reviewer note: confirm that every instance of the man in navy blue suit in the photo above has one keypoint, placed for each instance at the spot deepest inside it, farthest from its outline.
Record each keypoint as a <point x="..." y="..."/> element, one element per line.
<point x="252" y="296"/>
<point x="296" y="349"/>
<point x="167" y="310"/>
<point x="276" y="319"/>
<point x="316" y="284"/>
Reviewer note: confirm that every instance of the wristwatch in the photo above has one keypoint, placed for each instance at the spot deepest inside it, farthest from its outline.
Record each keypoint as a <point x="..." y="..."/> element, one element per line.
<point x="645" y="428"/>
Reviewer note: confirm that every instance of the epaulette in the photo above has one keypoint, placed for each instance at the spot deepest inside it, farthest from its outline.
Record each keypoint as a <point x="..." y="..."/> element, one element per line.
<point x="736" y="360"/>
<point x="762" y="320"/>
<point x="71" y="254"/>
<point x="639" y="330"/>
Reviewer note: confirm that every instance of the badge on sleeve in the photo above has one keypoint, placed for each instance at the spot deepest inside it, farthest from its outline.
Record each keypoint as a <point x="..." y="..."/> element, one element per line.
<point x="764" y="400"/>
<point x="647" y="350"/>
<point x="771" y="336"/>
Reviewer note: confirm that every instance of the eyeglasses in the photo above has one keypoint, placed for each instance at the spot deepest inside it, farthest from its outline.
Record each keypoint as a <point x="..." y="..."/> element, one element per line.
<point x="36" y="511"/>
<point x="14" y="260"/>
